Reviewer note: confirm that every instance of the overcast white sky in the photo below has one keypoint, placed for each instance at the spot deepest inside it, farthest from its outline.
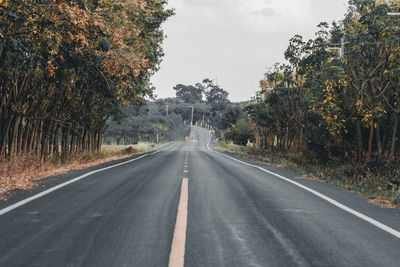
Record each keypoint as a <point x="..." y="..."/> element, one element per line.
<point x="235" y="41"/>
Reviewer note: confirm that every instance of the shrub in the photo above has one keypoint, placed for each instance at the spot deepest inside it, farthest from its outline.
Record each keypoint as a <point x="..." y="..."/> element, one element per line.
<point x="240" y="132"/>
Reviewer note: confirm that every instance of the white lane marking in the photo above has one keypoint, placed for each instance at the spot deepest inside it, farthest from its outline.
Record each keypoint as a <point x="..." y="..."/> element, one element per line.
<point x="322" y="196"/>
<point x="177" y="255"/>
<point x="165" y="149"/>
<point x="209" y="140"/>
<point x="48" y="191"/>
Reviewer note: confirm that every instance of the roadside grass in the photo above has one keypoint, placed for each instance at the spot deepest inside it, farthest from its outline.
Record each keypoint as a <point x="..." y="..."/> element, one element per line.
<point x="22" y="172"/>
<point x="377" y="181"/>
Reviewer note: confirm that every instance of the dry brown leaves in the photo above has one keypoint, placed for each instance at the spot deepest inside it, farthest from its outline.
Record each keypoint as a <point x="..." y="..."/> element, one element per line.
<point x="384" y="203"/>
<point x="23" y="172"/>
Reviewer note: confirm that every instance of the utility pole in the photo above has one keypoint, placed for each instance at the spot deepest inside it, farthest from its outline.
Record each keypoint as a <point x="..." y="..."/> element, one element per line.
<point x="396" y="8"/>
<point x="342" y="47"/>
<point x="191" y="122"/>
<point x="394" y="13"/>
<point x="166" y="110"/>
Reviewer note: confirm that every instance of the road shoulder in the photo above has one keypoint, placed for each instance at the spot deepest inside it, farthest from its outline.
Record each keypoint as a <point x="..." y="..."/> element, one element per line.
<point x="387" y="216"/>
<point x="45" y="183"/>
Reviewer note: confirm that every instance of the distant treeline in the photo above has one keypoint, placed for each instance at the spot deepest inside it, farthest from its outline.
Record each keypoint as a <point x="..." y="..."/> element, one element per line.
<point x="67" y="66"/>
<point x="150" y="123"/>
<point x="168" y="119"/>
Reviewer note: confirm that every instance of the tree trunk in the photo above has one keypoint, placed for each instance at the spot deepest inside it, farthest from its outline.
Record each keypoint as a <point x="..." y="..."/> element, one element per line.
<point x="64" y="140"/>
<point x="20" y="134"/>
<point x="359" y="140"/>
<point x="371" y="139"/>
<point x="287" y="137"/>
<point x="13" y="137"/>
<point x="93" y="140"/>
<point x="300" y="150"/>
<point x="52" y="137"/>
<point x="72" y="145"/>
<point x="394" y="135"/>
<point x="84" y="141"/>
<point x="89" y="141"/>
<point x="385" y="139"/>
<point x="378" y="138"/>
<point x="56" y="149"/>
<point x="46" y="141"/>
<point x="32" y="139"/>
<point x="99" y="140"/>
<point x="39" y="139"/>
<point x="25" y="137"/>
<point x="4" y="131"/>
<point x="79" y="142"/>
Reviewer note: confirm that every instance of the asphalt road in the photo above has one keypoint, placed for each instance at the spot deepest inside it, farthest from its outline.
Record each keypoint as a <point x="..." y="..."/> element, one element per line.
<point x="237" y="215"/>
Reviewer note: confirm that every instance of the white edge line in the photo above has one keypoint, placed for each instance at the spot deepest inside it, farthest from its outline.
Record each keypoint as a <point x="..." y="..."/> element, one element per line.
<point x="209" y="140"/>
<point x="48" y="191"/>
<point x="322" y="196"/>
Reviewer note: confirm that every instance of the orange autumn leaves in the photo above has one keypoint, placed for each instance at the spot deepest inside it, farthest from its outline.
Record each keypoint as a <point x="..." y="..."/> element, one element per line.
<point x="3" y="3"/>
<point x="87" y="29"/>
<point x="330" y="108"/>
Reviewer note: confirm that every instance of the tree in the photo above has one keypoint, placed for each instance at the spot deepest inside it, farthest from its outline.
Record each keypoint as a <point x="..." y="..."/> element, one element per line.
<point x="215" y="96"/>
<point x="341" y="106"/>
<point x="66" y="66"/>
<point x="240" y="132"/>
<point x="189" y="93"/>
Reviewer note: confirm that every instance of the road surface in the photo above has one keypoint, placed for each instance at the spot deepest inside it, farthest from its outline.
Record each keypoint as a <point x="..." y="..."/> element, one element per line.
<point x="188" y="204"/>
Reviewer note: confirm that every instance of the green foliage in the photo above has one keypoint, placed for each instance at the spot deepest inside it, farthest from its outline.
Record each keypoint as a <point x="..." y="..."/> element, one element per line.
<point x="66" y="66"/>
<point x="216" y="110"/>
<point x="334" y="117"/>
<point x="144" y="124"/>
<point x="189" y="93"/>
<point x="216" y="97"/>
<point x="240" y="133"/>
<point x="316" y="134"/>
<point x="335" y="109"/>
<point x="169" y="119"/>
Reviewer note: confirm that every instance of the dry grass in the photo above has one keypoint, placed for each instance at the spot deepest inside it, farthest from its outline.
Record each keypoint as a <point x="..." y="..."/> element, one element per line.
<point x="18" y="173"/>
<point x="384" y="203"/>
<point x="379" y="195"/>
<point x="139" y="147"/>
<point x="23" y="171"/>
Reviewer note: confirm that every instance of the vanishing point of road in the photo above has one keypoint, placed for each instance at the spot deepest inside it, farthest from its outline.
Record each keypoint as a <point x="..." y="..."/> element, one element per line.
<point x="189" y="205"/>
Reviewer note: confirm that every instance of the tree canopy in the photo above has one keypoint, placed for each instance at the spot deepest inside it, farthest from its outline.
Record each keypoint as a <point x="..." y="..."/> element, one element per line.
<point x="332" y="107"/>
<point x="66" y="66"/>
